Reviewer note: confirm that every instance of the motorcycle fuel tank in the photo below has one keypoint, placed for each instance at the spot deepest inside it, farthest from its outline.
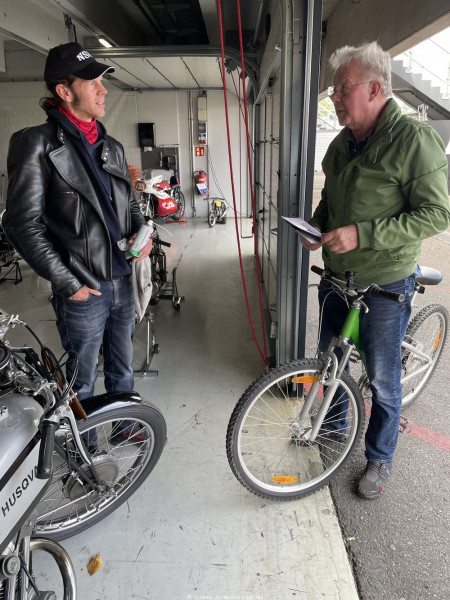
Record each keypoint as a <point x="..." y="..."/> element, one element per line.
<point x="19" y="421"/>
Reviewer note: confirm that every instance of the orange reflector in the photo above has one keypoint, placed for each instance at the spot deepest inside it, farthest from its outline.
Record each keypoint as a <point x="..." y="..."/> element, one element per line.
<point x="436" y="342"/>
<point x="284" y="479"/>
<point x="305" y="379"/>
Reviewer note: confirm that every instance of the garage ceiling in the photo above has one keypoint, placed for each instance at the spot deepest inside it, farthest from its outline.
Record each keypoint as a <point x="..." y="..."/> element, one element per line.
<point x="157" y="44"/>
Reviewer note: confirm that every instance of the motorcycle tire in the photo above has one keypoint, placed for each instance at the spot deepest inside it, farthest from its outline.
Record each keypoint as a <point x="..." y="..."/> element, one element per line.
<point x="123" y="459"/>
<point x="178" y="196"/>
<point x="212" y="218"/>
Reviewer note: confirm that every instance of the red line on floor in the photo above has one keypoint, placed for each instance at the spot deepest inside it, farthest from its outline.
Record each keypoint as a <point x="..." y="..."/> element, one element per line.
<point x="425" y="434"/>
<point x="429" y="436"/>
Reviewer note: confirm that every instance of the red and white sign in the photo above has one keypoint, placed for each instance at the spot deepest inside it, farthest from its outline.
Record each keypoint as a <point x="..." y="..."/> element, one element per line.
<point x="199" y="151"/>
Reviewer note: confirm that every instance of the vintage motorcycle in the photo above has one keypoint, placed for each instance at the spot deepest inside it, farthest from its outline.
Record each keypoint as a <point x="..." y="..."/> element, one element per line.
<point x="159" y="199"/>
<point x="65" y="464"/>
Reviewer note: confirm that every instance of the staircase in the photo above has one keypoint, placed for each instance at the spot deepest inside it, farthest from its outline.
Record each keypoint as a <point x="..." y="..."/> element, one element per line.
<point x="414" y="82"/>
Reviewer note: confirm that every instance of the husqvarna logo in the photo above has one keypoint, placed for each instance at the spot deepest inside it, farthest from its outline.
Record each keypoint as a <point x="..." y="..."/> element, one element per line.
<point x="83" y="56"/>
<point x="17" y="493"/>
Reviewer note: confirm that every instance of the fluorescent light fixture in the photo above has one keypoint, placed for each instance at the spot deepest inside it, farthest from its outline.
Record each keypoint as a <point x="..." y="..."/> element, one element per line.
<point x="105" y="42"/>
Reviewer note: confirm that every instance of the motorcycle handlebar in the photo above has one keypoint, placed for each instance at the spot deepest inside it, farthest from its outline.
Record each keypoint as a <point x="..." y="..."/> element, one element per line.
<point x="45" y="462"/>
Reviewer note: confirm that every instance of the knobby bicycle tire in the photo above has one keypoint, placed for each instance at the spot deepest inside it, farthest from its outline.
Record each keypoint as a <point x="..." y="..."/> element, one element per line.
<point x="123" y="461"/>
<point x="268" y="448"/>
<point x="428" y="333"/>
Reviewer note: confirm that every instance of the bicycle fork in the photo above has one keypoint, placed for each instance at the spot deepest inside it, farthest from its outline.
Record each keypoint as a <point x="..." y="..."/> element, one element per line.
<point x="331" y="374"/>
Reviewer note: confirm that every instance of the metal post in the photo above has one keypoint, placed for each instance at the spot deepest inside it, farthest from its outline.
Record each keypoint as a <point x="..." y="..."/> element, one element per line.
<point x="299" y="85"/>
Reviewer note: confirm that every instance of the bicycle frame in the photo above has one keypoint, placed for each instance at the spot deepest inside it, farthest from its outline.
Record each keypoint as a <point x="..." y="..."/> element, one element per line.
<point x="332" y="373"/>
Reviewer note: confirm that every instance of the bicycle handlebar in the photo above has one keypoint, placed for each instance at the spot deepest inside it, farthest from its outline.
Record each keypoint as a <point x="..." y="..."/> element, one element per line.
<point x="374" y="291"/>
<point x="371" y="291"/>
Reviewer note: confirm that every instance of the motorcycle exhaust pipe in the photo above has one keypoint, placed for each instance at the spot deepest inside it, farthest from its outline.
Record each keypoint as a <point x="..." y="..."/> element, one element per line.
<point x="63" y="561"/>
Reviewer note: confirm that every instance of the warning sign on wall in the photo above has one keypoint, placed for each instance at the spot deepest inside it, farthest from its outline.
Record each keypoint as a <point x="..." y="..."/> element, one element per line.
<point x="199" y="151"/>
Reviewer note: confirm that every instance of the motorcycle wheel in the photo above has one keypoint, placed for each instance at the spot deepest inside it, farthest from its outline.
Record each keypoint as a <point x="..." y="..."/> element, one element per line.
<point x="178" y="196"/>
<point x="122" y="460"/>
<point x="212" y="218"/>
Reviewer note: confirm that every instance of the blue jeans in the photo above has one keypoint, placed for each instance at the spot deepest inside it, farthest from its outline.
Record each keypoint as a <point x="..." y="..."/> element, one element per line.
<point x="84" y="325"/>
<point x="382" y="330"/>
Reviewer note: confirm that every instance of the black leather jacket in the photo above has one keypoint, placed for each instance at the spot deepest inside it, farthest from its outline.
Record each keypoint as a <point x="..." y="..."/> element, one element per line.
<point x="53" y="217"/>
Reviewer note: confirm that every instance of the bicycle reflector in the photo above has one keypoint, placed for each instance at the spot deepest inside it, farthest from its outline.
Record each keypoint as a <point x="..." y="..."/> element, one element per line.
<point x="436" y="342"/>
<point x="305" y="379"/>
<point x="284" y="479"/>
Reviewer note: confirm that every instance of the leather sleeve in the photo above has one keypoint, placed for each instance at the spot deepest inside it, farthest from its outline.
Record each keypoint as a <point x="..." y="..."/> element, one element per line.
<point x="23" y="219"/>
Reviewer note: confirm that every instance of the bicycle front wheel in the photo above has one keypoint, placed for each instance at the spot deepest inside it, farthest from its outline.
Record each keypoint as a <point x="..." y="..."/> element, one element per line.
<point x="128" y="443"/>
<point x="426" y="336"/>
<point x="268" y="445"/>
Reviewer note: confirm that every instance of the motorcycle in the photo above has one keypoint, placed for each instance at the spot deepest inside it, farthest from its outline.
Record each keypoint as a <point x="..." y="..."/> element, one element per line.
<point x="159" y="199"/>
<point x="217" y="211"/>
<point x="65" y="464"/>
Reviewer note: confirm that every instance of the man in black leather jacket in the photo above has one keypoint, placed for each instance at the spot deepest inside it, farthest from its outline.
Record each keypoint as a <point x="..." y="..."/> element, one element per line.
<point x="69" y="202"/>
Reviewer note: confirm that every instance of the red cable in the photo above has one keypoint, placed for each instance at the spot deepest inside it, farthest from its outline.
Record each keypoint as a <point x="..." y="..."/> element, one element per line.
<point x="263" y="355"/>
<point x="238" y="95"/>
<point x="258" y="269"/>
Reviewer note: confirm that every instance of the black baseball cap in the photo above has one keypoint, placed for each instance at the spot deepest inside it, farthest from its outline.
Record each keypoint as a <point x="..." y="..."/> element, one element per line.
<point x="73" y="59"/>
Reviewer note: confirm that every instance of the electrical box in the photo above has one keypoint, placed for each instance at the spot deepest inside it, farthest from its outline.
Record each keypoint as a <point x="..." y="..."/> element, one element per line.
<point x="201" y="106"/>
<point x="202" y="133"/>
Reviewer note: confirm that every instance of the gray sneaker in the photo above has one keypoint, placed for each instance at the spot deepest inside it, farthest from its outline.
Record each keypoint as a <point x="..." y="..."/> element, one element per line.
<point x="372" y="483"/>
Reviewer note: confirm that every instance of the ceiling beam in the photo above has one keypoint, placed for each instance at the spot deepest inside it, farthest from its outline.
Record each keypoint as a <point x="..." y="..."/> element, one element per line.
<point x="251" y="70"/>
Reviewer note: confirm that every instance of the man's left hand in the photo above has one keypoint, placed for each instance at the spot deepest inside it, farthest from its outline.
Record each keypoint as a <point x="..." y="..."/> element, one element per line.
<point x="145" y="251"/>
<point x="341" y="240"/>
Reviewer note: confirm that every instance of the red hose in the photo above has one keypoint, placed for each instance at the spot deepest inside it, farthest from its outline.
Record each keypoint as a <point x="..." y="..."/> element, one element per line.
<point x="263" y="353"/>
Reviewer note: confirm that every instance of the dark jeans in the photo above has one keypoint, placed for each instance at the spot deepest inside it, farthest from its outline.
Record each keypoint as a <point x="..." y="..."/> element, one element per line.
<point x="84" y="326"/>
<point x="382" y="330"/>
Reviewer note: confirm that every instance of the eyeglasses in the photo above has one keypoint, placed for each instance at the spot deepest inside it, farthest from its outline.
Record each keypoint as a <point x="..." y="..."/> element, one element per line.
<point x="343" y="90"/>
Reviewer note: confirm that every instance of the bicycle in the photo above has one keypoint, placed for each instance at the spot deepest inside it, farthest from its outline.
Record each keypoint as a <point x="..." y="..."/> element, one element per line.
<point x="281" y="444"/>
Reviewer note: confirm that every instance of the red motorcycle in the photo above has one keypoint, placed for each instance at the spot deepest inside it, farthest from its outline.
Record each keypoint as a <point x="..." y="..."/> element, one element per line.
<point x="159" y="199"/>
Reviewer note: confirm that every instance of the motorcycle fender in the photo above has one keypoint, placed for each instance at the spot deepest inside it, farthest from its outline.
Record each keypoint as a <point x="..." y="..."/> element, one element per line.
<point x="103" y="403"/>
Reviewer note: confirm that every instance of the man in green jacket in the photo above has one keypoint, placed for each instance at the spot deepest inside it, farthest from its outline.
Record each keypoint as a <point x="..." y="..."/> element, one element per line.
<point x="385" y="191"/>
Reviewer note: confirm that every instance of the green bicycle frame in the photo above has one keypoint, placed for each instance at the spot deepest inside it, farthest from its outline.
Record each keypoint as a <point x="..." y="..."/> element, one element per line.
<point x="350" y="329"/>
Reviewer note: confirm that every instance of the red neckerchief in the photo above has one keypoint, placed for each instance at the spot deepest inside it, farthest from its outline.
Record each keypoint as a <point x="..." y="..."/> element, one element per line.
<point x="89" y="128"/>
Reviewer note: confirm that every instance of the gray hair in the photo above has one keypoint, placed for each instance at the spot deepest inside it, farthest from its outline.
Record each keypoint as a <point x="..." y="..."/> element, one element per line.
<point x="374" y="61"/>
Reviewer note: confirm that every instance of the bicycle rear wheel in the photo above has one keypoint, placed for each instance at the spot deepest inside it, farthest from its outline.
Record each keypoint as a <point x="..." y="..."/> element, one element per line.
<point x="267" y="445"/>
<point x="427" y="333"/>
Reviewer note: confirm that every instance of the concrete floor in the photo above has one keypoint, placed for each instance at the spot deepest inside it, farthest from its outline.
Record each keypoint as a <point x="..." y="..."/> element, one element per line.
<point x="192" y="531"/>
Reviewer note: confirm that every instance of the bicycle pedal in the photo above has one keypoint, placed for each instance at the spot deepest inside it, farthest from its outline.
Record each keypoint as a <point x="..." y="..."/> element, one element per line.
<point x="404" y="425"/>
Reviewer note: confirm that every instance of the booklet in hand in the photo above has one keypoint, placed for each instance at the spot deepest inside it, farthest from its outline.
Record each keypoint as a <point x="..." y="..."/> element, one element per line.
<point x="304" y="229"/>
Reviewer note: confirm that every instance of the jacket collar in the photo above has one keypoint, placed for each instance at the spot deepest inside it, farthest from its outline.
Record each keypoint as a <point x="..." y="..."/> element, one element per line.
<point x="382" y="131"/>
<point x="389" y="117"/>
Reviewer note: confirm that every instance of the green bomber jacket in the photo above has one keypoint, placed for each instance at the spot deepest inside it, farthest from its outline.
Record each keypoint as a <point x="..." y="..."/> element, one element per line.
<point x="395" y="192"/>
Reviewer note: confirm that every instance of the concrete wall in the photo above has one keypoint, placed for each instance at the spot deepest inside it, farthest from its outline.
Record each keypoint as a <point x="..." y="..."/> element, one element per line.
<point x="169" y="110"/>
